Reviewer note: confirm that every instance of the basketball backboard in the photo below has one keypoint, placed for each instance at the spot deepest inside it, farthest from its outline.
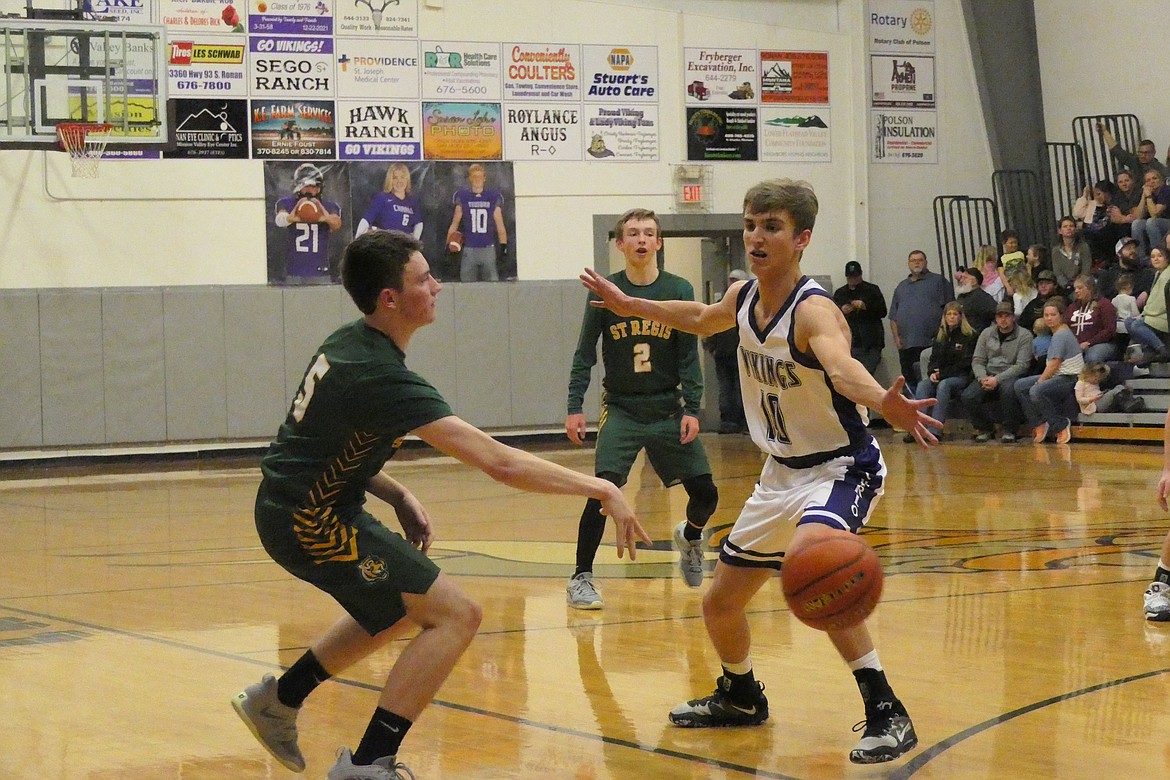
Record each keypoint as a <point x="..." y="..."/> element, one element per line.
<point x="85" y="70"/>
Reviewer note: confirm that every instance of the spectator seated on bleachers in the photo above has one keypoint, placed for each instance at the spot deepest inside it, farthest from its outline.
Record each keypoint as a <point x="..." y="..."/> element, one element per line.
<point x="1138" y="164"/>
<point x="1070" y="255"/>
<point x="1151" y="330"/>
<point x="1092" y="399"/>
<point x="1099" y="231"/>
<point x="1045" y="401"/>
<point x="1093" y="321"/>
<point x="978" y="305"/>
<point x="1032" y="321"/>
<point x="949" y="370"/>
<point x="1127" y="262"/>
<point x="1151" y="226"/>
<point x="1003" y="354"/>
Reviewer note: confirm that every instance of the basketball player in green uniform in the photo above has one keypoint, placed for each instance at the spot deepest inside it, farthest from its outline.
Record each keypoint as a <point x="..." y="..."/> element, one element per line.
<point x="357" y="402"/>
<point x="643" y="407"/>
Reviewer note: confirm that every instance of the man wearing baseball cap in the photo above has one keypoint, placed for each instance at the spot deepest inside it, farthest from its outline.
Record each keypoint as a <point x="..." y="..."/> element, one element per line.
<point x="864" y="306"/>
<point x="1030" y="319"/>
<point x="1003" y="354"/>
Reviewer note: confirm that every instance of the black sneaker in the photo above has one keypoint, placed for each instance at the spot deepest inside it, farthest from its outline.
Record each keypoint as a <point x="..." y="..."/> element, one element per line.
<point x="885" y="739"/>
<point x="716" y="710"/>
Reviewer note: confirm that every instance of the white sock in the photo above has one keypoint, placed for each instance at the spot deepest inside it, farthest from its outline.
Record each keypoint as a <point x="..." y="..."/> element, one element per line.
<point x="867" y="661"/>
<point x="741" y="668"/>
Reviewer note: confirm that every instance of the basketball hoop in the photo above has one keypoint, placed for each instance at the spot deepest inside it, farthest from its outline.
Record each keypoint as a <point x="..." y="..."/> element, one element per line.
<point x="85" y="142"/>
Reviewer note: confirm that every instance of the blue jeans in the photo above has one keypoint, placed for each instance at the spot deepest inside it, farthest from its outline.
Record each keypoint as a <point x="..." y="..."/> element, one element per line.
<point x="1047" y="401"/>
<point x="1150" y="338"/>
<point x="944" y="391"/>
<point x="1150" y="232"/>
<point x="1102" y="353"/>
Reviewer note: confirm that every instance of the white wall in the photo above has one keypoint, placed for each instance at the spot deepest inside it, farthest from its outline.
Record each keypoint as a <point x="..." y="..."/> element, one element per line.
<point x="1104" y="58"/>
<point x="179" y="222"/>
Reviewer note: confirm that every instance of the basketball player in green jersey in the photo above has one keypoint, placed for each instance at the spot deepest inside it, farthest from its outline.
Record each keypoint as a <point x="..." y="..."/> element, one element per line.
<point x="357" y="402"/>
<point x="651" y="401"/>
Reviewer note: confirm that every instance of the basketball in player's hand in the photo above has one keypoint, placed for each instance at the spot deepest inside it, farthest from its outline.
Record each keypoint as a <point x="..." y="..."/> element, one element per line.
<point x="833" y="582"/>
<point x="309" y="210"/>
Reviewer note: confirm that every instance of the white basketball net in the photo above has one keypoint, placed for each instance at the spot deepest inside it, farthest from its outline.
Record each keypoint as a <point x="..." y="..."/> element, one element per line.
<point x="85" y="142"/>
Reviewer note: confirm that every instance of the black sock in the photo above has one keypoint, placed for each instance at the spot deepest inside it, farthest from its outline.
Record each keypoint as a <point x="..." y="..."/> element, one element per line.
<point x="742" y="689"/>
<point x="703" y="498"/>
<point x="295" y="685"/>
<point x="1162" y="575"/>
<point x="589" y="533"/>
<point x="382" y="738"/>
<point x="879" y="698"/>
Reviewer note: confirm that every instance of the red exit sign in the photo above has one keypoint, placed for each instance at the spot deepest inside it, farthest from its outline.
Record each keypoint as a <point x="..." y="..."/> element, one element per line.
<point x="692" y="193"/>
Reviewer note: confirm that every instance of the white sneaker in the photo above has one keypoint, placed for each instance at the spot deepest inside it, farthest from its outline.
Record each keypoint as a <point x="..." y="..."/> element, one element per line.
<point x="272" y="723"/>
<point x="690" y="556"/>
<point x="581" y="593"/>
<point x="386" y="768"/>
<point x="1157" y="602"/>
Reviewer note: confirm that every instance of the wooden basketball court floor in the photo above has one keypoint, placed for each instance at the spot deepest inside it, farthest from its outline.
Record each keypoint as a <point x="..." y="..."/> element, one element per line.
<point x="135" y="601"/>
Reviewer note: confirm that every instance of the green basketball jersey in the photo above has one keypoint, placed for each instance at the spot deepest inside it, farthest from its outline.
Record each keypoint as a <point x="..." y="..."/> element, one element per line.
<point x="642" y="358"/>
<point x="356" y="403"/>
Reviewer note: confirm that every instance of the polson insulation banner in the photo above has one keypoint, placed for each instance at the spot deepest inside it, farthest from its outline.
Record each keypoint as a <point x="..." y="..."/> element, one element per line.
<point x="903" y="136"/>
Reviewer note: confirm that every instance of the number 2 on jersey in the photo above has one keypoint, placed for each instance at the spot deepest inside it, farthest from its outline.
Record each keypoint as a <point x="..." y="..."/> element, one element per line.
<point x="301" y="403"/>
<point x="770" y="406"/>
<point x="642" y="358"/>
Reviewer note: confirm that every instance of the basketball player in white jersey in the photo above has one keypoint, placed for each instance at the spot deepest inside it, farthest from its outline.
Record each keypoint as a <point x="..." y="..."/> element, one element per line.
<point x="802" y="392"/>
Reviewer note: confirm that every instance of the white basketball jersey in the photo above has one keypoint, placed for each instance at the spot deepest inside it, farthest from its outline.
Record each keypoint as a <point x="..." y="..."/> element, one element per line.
<point x="793" y="412"/>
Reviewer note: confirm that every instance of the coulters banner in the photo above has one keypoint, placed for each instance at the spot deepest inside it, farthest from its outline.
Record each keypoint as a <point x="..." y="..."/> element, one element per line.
<point x="903" y="136"/>
<point x="206" y="66"/>
<point x="460" y="71"/>
<point x="621" y="133"/>
<point x="903" y="26"/>
<point x="620" y="74"/>
<point x="379" y="130"/>
<point x="293" y="66"/>
<point x="794" y="77"/>
<point x="543" y="131"/>
<point x="542" y="71"/>
<point x="377" y="17"/>
<point x="902" y="82"/>
<point x="794" y="135"/>
<point x="720" y="76"/>
<point x="291" y="17"/>
<point x="374" y="68"/>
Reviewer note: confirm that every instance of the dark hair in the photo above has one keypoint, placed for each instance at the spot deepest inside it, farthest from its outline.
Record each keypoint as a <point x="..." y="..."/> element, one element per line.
<point x="635" y="214"/>
<point x="1006" y="234"/>
<point x="1055" y="302"/>
<point x="373" y="262"/>
<point x="1106" y="186"/>
<point x="794" y="197"/>
<point x="1126" y="279"/>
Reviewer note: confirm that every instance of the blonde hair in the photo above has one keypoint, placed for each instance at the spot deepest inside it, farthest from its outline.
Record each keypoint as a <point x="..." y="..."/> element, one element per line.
<point x="1094" y="373"/>
<point x="985" y="255"/>
<point x="964" y="326"/>
<point x="387" y="185"/>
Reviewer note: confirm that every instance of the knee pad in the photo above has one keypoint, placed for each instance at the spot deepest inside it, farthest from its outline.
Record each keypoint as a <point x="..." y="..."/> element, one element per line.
<point x="704" y="497"/>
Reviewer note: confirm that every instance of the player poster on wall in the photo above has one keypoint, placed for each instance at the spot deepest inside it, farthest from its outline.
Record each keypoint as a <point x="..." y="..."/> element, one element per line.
<point x="307" y="221"/>
<point x="421" y="198"/>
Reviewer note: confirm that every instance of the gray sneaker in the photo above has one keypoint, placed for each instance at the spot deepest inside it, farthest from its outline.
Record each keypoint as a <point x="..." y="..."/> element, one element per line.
<point x="273" y="724"/>
<point x="387" y="768"/>
<point x="581" y="593"/>
<point x="690" y="556"/>
<point x="1157" y="602"/>
<point x="884" y="740"/>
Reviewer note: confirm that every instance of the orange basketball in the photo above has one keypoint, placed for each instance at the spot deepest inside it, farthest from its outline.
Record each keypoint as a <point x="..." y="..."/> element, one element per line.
<point x="833" y="582"/>
<point x="309" y="210"/>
